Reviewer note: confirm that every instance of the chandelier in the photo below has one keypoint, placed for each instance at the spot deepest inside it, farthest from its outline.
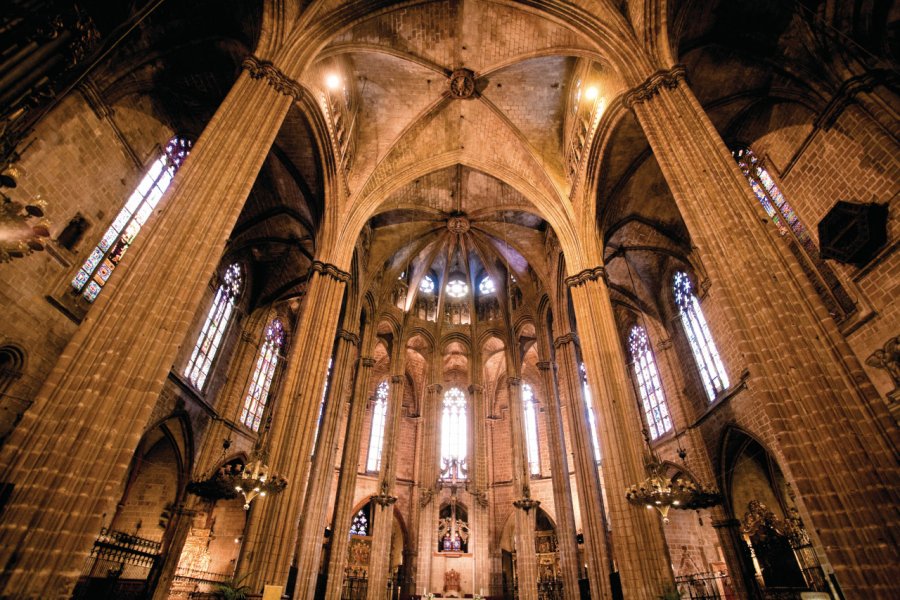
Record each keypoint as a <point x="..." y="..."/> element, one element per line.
<point x="662" y="493"/>
<point x="22" y="225"/>
<point x="253" y="479"/>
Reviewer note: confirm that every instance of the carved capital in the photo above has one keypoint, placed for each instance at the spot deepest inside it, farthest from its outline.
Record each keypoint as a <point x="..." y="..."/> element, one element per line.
<point x="434" y="388"/>
<point x="588" y="275"/>
<point x="514" y="381"/>
<point x="476" y="388"/>
<point x="331" y="271"/>
<point x="425" y="495"/>
<point x="545" y="365"/>
<point x="367" y="361"/>
<point x="258" y="68"/>
<point x="348" y="336"/>
<point x="664" y="344"/>
<point x="664" y="78"/>
<point x="396" y="379"/>
<point x="569" y="338"/>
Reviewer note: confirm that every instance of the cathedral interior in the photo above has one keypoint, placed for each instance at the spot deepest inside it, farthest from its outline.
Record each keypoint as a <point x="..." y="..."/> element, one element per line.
<point x="546" y="300"/>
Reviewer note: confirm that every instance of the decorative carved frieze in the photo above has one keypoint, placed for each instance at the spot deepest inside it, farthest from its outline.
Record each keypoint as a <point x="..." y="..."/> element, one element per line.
<point x="258" y="68"/>
<point x="588" y="275"/>
<point x="664" y="78"/>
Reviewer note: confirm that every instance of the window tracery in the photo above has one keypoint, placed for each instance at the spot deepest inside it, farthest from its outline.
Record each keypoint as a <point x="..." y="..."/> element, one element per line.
<point x="360" y="523"/>
<point x="376" y="436"/>
<point x="531" y="436"/>
<point x="427" y="284"/>
<point x="712" y="371"/>
<point x="653" y="399"/>
<point x="486" y="286"/>
<point x="822" y="277"/>
<point x="453" y="528"/>
<point x="214" y="327"/>
<point x="454" y="437"/>
<point x="104" y="258"/>
<point x="261" y="382"/>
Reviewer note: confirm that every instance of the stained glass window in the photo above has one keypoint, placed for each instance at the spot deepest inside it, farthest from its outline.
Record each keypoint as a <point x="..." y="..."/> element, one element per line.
<point x="789" y="225"/>
<point x="360" y="524"/>
<point x="214" y="327"/>
<point x="592" y="418"/>
<point x="454" y="439"/>
<point x="457" y="288"/>
<point x="531" y="435"/>
<point x="652" y="398"/>
<point x="376" y="436"/>
<point x="427" y="284"/>
<point x="487" y="285"/>
<point x="712" y="371"/>
<point x="266" y="361"/>
<point x="102" y="261"/>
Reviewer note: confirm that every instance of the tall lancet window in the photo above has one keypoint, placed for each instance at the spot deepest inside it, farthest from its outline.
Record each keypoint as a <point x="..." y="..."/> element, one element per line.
<point x="266" y="361"/>
<point x="712" y="371"/>
<point x="376" y="436"/>
<point x="312" y="449"/>
<point x="652" y="398"/>
<point x="98" y="267"/>
<point x="823" y="279"/>
<point x="214" y="327"/>
<point x="592" y="418"/>
<point x="531" y="434"/>
<point x="454" y="438"/>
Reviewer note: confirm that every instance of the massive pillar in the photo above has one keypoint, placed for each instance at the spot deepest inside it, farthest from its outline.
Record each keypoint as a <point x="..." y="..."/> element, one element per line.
<point x="383" y="507"/>
<point x="318" y="490"/>
<point x="802" y="372"/>
<point x="587" y="480"/>
<point x="638" y="546"/>
<point x="562" y="489"/>
<point x="343" y="506"/>
<point x="429" y="501"/>
<point x="272" y="532"/>
<point x="118" y="360"/>
<point x="480" y="515"/>
<point x="525" y="506"/>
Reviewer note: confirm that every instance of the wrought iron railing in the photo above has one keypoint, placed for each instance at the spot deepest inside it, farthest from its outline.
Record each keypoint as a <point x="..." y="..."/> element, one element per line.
<point x="356" y="585"/>
<point x="705" y="586"/>
<point x="550" y="589"/>
<point x="118" y="566"/>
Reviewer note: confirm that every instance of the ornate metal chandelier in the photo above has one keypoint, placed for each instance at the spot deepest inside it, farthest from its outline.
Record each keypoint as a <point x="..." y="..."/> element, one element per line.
<point x="253" y="479"/>
<point x="662" y="493"/>
<point x="22" y="226"/>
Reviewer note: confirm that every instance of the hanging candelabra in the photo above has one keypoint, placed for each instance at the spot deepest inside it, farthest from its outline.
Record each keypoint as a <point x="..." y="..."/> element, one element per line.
<point x="253" y="479"/>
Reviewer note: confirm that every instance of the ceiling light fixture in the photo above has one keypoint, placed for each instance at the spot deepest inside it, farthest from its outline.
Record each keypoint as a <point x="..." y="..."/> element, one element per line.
<point x="333" y="82"/>
<point x="591" y="93"/>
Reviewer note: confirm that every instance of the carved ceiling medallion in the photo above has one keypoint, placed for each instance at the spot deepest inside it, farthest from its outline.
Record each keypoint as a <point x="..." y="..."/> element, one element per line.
<point x="462" y="84"/>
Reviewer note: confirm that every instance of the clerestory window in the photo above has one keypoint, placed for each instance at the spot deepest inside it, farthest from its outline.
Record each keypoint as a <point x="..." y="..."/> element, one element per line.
<point x="706" y="355"/>
<point x="214" y="327"/>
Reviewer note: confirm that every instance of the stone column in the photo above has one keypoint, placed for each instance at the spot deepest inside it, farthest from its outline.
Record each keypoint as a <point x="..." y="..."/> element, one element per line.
<point x="318" y="490"/>
<point x="640" y="551"/>
<point x="480" y="513"/>
<point x="562" y="490"/>
<point x="526" y="507"/>
<point x="428" y="495"/>
<point x="802" y="373"/>
<point x="272" y="532"/>
<point x="107" y="380"/>
<point x="590" y="497"/>
<point x="343" y="506"/>
<point x="383" y="506"/>
<point x="177" y="536"/>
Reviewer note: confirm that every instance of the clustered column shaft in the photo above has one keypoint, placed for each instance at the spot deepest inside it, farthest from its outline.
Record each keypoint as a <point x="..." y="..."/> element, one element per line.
<point x="525" y="507"/>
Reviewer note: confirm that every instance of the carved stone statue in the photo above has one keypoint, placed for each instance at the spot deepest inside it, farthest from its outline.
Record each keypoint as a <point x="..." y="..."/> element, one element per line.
<point x="888" y="358"/>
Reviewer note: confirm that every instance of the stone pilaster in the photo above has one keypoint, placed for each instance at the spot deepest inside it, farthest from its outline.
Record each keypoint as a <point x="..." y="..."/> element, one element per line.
<point x="318" y="490"/>
<point x="118" y="359"/>
<point x="176" y="535"/>
<point x="428" y="495"/>
<point x="383" y="506"/>
<point x="638" y="545"/>
<point x="343" y="506"/>
<point x="562" y="490"/>
<point x="526" y="507"/>
<point x="590" y="497"/>
<point x="272" y="532"/>
<point x="803" y="374"/>
<point x="480" y="517"/>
